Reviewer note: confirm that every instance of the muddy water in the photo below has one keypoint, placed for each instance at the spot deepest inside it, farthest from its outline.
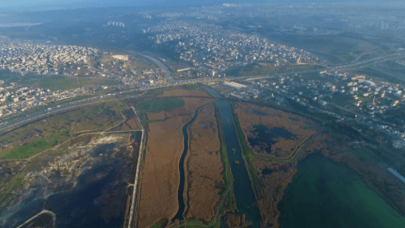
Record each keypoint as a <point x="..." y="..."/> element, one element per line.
<point x="98" y="199"/>
<point x="267" y="137"/>
<point x="244" y="194"/>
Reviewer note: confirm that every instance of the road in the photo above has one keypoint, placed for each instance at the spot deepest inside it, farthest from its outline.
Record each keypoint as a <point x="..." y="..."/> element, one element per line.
<point x="138" y="168"/>
<point x="369" y="61"/>
<point x="74" y="104"/>
<point x="80" y="103"/>
<point x="160" y="64"/>
<point x="64" y="107"/>
<point x="37" y="215"/>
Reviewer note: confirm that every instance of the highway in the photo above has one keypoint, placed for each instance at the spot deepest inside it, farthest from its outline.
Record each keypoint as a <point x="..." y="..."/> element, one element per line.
<point x="80" y="103"/>
<point x="74" y="104"/>
<point x="63" y="107"/>
<point x="366" y="62"/>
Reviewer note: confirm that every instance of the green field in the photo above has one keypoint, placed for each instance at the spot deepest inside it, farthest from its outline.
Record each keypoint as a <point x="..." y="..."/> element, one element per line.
<point x="191" y="87"/>
<point x="55" y="82"/>
<point x="65" y="83"/>
<point x="327" y="194"/>
<point x="41" y="133"/>
<point x="6" y="76"/>
<point x="157" y="225"/>
<point x="34" y="147"/>
<point x="157" y="105"/>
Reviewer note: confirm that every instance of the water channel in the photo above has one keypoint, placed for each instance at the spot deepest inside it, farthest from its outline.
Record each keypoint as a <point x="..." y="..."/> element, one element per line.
<point x="160" y="64"/>
<point x="179" y="214"/>
<point x="244" y="194"/>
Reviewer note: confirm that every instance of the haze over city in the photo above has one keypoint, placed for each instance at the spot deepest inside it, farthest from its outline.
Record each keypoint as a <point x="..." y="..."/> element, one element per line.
<point x="174" y="113"/>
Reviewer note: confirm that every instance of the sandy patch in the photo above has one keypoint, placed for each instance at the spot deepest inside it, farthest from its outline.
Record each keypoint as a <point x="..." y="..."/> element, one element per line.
<point x="108" y="138"/>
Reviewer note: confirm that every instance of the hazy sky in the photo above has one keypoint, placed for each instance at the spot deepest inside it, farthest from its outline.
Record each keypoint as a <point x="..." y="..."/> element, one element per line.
<point x="48" y="4"/>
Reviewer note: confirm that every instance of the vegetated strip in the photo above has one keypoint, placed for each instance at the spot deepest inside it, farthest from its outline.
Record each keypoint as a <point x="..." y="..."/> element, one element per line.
<point x="138" y="166"/>
<point x="247" y="154"/>
<point x="228" y="183"/>
<point x="294" y="155"/>
<point x="163" y="104"/>
<point x="34" y="147"/>
<point x="179" y="214"/>
<point x="227" y="174"/>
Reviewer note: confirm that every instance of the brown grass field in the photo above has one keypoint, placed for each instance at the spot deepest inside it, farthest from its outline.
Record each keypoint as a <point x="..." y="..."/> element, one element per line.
<point x="204" y="167"/>
<point x="159" y="179"/>
<point x="300" y="127"/>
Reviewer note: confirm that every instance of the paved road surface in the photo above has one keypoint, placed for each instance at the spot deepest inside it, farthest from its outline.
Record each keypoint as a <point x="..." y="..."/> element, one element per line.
<point x="160" y="64"/>
<point x="138" y="168"/>
<point x="37" y="215"/>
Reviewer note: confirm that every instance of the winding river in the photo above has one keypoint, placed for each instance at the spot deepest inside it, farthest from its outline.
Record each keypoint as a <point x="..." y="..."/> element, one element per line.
<point x="179" y="214"/>
<point x="244" y="194"/>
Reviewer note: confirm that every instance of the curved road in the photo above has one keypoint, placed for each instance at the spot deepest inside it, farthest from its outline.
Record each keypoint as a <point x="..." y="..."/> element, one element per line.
<point x="172" y="82"/>
<point x="37" y="215"/>
<point x="160" y="64"/>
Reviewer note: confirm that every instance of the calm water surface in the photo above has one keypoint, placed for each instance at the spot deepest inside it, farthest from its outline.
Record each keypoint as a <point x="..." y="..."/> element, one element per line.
<point x="324" y="193"/>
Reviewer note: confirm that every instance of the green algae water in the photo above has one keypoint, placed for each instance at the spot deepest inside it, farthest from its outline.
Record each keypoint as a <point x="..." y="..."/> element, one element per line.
<point x="324" y="193"/>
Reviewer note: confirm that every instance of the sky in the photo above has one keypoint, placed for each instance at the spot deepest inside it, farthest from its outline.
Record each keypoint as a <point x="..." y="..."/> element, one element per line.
<point x="56" y="4"/>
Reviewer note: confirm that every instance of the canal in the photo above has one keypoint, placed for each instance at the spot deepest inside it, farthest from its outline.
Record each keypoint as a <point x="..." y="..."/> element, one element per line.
<point x="243" y="190"/>
<point x="179" y="214"/>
